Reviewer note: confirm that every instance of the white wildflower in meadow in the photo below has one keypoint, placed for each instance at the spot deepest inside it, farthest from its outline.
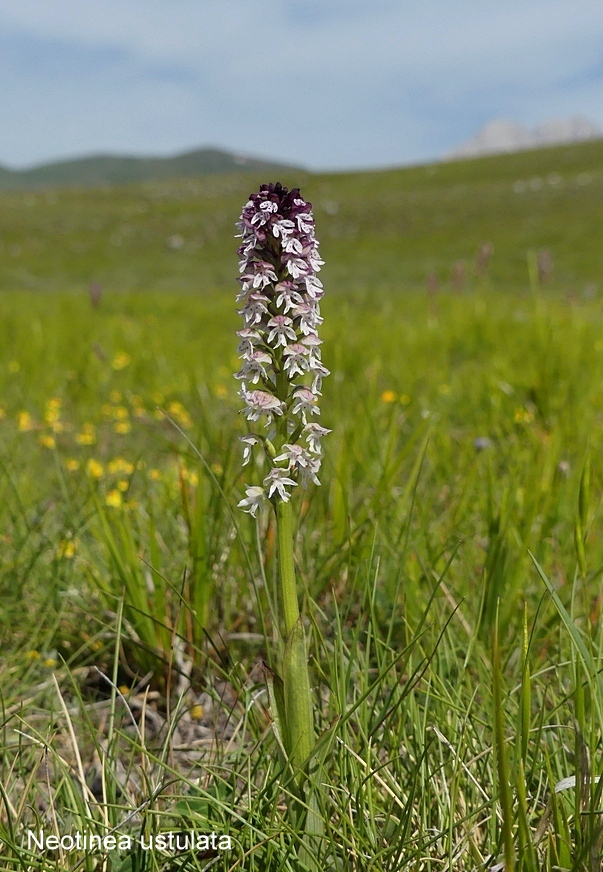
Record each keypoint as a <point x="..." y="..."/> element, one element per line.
<point x="254" y="497"/>
<point x="281" y="372"/>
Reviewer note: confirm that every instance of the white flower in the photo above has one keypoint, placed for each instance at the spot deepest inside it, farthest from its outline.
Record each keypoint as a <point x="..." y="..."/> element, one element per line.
<point x="315" y="261"/>
<point x="309" y="470"/>
<point x="286" y="296"/>
<point x="300" y="459"/>
<point x="266" y="210"/>
<point x="294" y="454"/>
<point x="306" y="402"/>
<point x="297" y="359"/>
<point x="253" y="500"/>
<point x="320" y="371"/>
<point x="313" y="343"/>
<point x="254" y="366"/>
<point x="249" y="442"/>
<point x="305" y="221"/>
<point x="263" y="274"/>
<point x="313" y="433"/>
<point x="283" y="228"/>
<point x="254" y="309"/>
<point x="258" y="403"/>
<point x="313" y="287"/>
<point x="249" y="338"/>
<point x="296" y="266"/>
<point x="276" y="481"/>
<point x="293" y="246"/>
<point x="309" y="317"/>
<point x="281" y="329"/>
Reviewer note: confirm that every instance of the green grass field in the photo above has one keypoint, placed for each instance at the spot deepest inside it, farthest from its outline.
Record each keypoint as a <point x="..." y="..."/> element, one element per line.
<point x="451" y="562"/>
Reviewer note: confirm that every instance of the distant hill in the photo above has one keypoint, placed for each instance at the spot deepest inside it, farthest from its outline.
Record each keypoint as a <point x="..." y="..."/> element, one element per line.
<point x="456" y="225"/>
<point x="102" y="169"/>
<point x="501" y="135"/>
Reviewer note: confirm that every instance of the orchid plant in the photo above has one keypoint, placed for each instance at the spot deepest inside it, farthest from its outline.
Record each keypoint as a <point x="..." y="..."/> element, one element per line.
<point x="281" y="382"/>
<point x="279" y="344"/>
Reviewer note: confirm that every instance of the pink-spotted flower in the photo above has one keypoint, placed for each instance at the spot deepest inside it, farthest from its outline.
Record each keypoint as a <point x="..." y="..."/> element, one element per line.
<point x="279" y="345"/>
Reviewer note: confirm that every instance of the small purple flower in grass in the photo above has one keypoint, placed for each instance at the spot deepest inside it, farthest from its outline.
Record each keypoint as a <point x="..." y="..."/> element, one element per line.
<point x="278" y="345"/>
<point x="482" y="443"/>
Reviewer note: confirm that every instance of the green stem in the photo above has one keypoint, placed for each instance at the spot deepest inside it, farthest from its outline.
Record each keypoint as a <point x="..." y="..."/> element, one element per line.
<point x="284" y="526"/>
<point x="299" y="714"/>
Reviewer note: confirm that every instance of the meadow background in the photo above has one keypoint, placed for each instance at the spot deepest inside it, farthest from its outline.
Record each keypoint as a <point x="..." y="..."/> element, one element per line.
<point x="450" y="563"/>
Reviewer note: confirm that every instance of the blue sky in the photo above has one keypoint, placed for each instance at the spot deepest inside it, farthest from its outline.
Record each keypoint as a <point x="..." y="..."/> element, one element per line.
<point x="328" y="84"/>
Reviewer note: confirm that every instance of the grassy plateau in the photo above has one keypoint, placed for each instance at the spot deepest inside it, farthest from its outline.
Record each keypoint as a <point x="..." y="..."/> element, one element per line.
<point x="450" y="565"/>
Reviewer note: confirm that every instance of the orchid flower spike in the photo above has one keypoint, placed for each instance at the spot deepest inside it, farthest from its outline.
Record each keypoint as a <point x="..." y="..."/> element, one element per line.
<point x="281" y="373"/>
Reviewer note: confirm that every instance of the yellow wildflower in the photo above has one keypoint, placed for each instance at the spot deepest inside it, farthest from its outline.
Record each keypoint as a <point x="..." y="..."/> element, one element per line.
<point x="190" y="476"/>
<point x="120" y="361"/>
<point x="2" y="412"/>
<point x="33" y="655"/>
<point x="51" y="416"/>
<point x="114" y="499"/>
<point x="25" y="422"/>
<point x="52" y="411"/>
<point x="122" y="427"/>
<point x="94" y="468"/>
<point x="66" y="549"/>
<point x="115" y="396"/>
<point x="72" y="464"/>
<point x="123" y="485"/>
<point x="388" y="397"/>
<point x="87" y="435"/>
<point x="120" y="464"/>
<point x="197" y="712"/>
<point x="47" y="441"/>
<point x="155" y="474"/>
<point x="179" y="413"/>
<point x="50" y="662"/>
